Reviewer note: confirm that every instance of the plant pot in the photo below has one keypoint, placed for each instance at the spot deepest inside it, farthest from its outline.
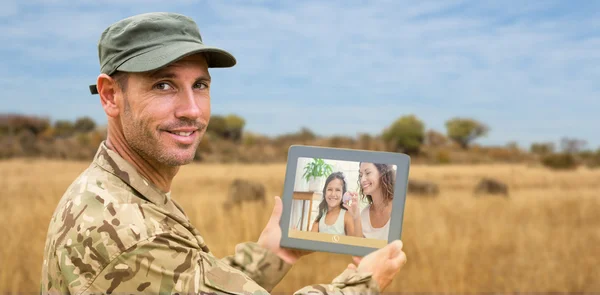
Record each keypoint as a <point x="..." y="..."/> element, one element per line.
<point x="314" y="185"/>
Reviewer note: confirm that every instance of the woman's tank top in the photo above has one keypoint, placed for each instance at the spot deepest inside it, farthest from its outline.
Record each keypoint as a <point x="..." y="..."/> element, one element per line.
<point x="337" y="228"/>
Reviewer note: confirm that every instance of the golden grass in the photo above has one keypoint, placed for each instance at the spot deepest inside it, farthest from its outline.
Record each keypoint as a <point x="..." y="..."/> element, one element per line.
<point x="543" y="238"/>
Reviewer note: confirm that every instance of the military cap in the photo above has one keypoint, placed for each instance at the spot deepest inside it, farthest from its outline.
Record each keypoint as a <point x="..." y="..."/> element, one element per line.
<point x="150" y="41"/>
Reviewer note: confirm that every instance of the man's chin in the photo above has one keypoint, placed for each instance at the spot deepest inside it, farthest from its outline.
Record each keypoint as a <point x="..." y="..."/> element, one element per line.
<point x="177" y="156"/>
<point x="176" y="161"/>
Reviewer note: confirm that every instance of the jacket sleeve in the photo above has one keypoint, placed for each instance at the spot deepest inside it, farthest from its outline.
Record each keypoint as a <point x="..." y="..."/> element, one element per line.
<point x="267" y="270"/>
<point x="348" y="282"/>
<point x="261" y="265"/>
<point x="169" y="263"/>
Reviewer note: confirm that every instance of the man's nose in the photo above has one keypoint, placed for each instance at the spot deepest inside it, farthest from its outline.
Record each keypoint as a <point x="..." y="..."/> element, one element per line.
<point x="189" y="106"/>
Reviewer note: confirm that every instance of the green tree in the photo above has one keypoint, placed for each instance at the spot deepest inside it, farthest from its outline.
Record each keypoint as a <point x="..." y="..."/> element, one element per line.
<point x="542" y="148"/>
<point x="84" y="124"/>
<point x="63" y="128"/>
<point x="406" y="134"/>
<point x="572" y="145"/>
<point x="12" y="124"/>
<point x="464" y="130"/>
<point x="235" y="125"/>
<point x="435" y="139"/>
<point x="217" y="126"/>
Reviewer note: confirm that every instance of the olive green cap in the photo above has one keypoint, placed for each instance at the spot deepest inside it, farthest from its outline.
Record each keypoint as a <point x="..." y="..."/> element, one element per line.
<point x="150" y="41"/>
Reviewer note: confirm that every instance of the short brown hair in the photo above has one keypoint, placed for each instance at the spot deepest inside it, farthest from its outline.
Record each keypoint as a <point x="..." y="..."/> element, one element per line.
<point x="121" y="78"/>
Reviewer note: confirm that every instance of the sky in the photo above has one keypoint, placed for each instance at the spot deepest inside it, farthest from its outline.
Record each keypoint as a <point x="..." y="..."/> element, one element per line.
<point x="529" y="70"/>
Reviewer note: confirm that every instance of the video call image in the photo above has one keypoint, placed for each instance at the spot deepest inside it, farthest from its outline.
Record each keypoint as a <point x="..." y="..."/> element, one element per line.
<point x="346" y="202"/>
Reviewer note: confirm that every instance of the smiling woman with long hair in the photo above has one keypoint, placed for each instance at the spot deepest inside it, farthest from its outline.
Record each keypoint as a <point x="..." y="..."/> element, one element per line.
<point x="376" y="183"/>
<point x="332" y="217"/>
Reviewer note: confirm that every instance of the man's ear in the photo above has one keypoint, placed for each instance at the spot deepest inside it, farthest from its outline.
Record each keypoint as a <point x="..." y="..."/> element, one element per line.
<point x="108" y="91"/>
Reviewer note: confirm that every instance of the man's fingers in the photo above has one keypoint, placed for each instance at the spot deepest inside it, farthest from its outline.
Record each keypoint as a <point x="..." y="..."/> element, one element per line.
<point x="398" y="261"/>
<point x="277" y="209"/>
<point x="395" y="248"/>
<point x="356" y="259"/>
<point x="351" y="266"/>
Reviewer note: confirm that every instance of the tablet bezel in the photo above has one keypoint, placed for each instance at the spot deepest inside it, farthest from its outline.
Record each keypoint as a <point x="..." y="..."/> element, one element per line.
<point x="402" y="162"/>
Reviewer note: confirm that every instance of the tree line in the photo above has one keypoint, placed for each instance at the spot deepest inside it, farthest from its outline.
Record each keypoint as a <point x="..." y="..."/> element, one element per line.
<point x="226" y="140"/>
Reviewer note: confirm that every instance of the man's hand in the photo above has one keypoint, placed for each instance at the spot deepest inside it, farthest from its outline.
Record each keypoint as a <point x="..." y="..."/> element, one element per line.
<point x="271" y="236"/>
<point x="384" y="263"/>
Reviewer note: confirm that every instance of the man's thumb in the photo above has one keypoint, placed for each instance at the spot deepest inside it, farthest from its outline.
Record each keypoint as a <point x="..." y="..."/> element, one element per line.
<point x="277" y="209"/>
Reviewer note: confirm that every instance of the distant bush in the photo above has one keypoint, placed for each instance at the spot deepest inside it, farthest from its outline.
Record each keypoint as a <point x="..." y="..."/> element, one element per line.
<point x="590" y="159"/>
<point x="435" y="139"/>
<point x="303" y="136"/>
<point x="84" y="124"/>
<point x="504" y="154"/>
<point x="542" y="148"/>
<point x="252" y="139"/>
<point x="235" y="126"/>
<point x="63" y="128"/>
<point x="406" y="134"/>
<point x="338" y="141"/>
<point x="229" y="127"/>
<point x="217" y="126"/>
<point x="13" y="124"/>
<point x="442" y="157"/>
<point x="572" y="145"/>
<point x="204" y="148"/>
<point x="560" y="161"/>
<point x="463" y="130"/>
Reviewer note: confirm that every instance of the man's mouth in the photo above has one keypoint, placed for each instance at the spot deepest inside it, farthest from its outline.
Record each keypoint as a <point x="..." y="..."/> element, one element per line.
<point x="181" y="133"/>
<point x="183" y="136"/>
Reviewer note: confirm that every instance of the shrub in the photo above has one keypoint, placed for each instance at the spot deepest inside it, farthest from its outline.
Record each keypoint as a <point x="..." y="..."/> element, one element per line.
<point x="591" y="159"/>
<point x="235" y="126"/>
<point x="561" y="161"/>
<point x="217" y="126"/>
<point x="442" y="157"/>
<point x="63" y="128"/>
<point x="84" y="124"/>
<point x="463" y="131"/>
<point x="435" y="139"/>
<point x="542" y="148"/>
<point x="338" y="141"/>
<point x="405" y="134"/>
<point x="12" y="124"/>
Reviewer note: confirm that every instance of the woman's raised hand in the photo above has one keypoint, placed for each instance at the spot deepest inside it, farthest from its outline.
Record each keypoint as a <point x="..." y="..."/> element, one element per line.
<point x="350" y="202"/>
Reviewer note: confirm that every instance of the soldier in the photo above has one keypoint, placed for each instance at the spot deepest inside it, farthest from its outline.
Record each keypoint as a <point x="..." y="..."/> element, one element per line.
<point x="117" y="229"/>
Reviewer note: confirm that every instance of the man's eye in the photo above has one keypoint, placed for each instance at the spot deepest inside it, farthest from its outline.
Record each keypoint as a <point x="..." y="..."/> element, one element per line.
<point x="162" y="86"/>
<point x="201" y="85"/>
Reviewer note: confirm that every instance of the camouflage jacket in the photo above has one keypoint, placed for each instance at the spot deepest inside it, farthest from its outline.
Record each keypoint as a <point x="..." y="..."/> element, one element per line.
<point x="114" y="232"/>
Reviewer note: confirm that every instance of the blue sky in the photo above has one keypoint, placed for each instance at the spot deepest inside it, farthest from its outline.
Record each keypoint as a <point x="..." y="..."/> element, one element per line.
<point x="528" y="69"/>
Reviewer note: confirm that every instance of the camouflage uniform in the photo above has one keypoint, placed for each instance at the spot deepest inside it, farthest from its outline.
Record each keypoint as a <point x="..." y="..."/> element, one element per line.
<point x="115" y="232"/>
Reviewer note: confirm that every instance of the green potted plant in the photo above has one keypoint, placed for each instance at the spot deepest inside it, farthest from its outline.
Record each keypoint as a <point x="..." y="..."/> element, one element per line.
<point x="314" y="172"/>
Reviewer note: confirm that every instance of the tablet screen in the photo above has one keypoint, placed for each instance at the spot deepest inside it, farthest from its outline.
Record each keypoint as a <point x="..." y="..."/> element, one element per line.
<point x="344" y="202"/>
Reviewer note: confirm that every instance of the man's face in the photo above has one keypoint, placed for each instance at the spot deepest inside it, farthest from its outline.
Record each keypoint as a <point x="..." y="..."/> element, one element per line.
<point x="165" y="112"/>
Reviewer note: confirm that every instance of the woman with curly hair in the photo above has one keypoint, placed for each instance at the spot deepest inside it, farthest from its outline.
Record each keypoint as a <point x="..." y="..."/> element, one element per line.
<point x="376" y="183"/>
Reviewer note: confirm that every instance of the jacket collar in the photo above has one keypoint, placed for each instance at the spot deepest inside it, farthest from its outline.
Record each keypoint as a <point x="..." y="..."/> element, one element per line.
<point x="113" y="163"/>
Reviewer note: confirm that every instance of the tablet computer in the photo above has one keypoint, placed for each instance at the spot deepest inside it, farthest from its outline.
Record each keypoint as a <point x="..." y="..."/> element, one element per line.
<point x="343" y="200"/>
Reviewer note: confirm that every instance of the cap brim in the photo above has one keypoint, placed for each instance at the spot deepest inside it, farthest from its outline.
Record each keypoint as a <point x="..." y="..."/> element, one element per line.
<point x="165" y="55"/>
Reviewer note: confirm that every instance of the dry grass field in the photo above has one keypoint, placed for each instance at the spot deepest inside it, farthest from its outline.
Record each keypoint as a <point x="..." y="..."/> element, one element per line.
<point x="544" y="238"/>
